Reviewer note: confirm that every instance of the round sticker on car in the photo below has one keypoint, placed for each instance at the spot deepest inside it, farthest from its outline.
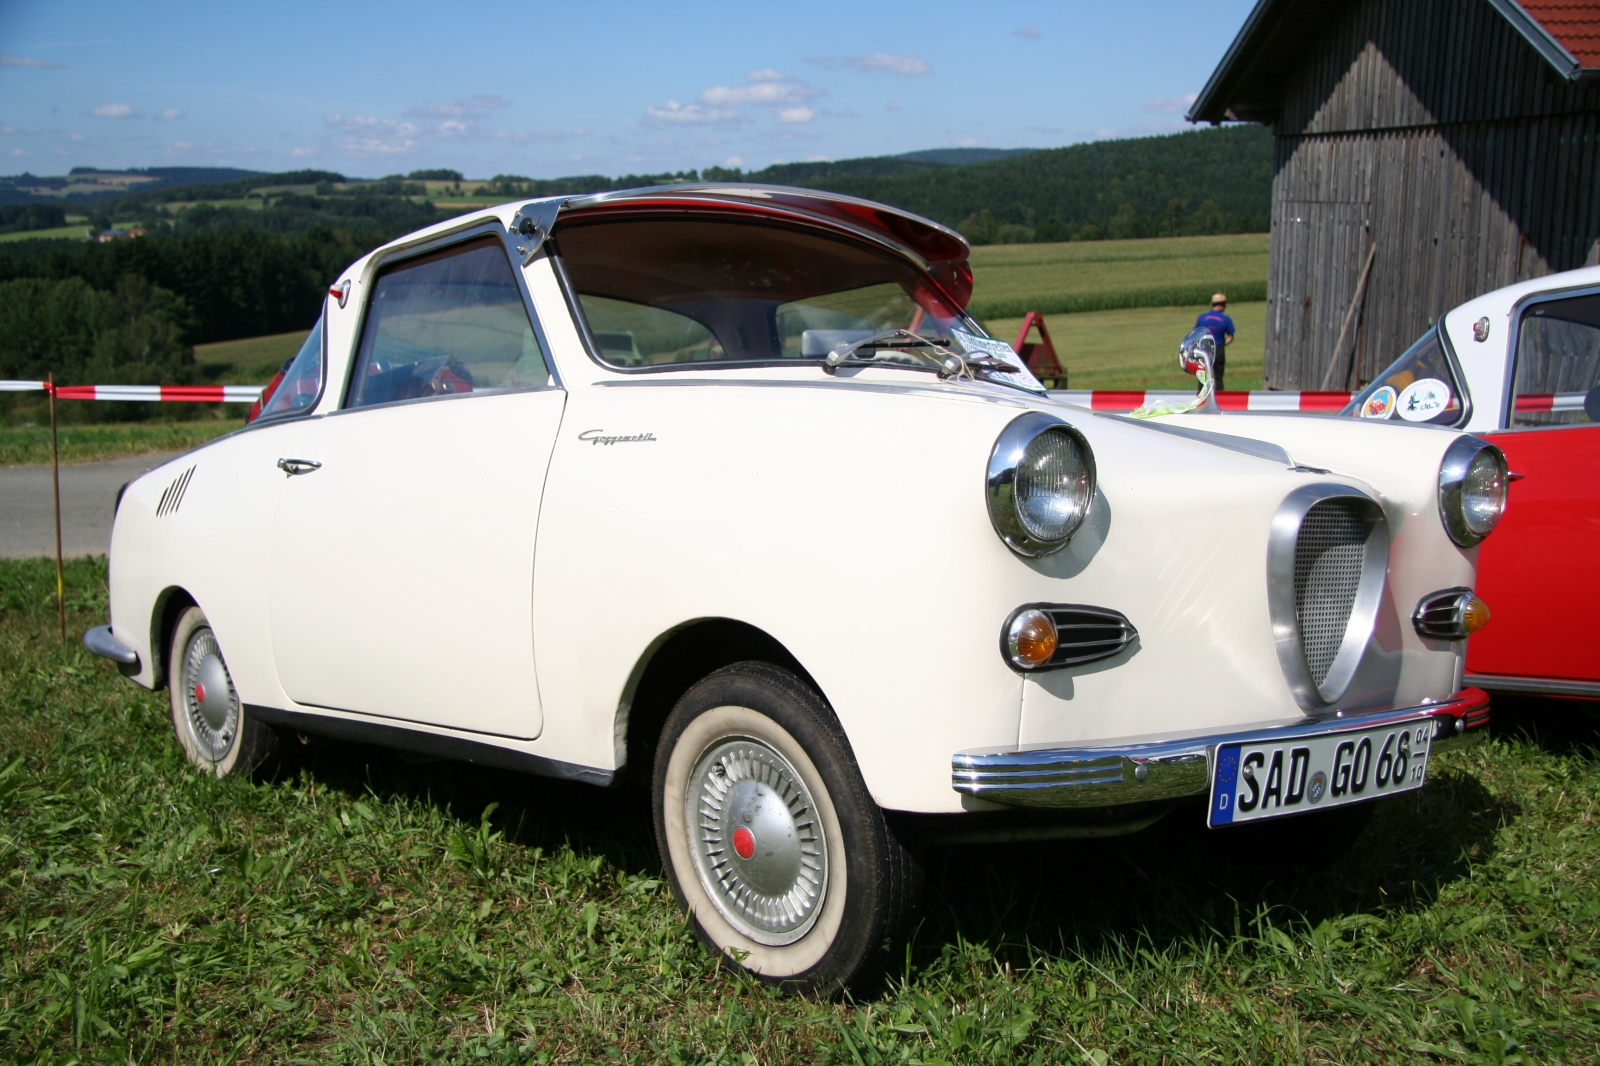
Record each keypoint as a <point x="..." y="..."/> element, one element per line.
<point x="1380" y="404"/>
<point x="1423" y="399"/>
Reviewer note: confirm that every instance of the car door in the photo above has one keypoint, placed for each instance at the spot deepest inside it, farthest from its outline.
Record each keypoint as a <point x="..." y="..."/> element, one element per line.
<point x="1540" y="570"/>
<point x="402" y="552"/>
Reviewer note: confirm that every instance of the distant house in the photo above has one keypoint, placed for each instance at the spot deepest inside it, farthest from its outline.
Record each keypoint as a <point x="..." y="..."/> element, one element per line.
<point x="108" y="235"/>
<point x="1453" y="145"/>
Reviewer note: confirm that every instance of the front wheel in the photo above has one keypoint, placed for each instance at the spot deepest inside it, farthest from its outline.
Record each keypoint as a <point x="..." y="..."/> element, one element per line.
<point x="768" y="834"/>
<point x="216" y="733"/>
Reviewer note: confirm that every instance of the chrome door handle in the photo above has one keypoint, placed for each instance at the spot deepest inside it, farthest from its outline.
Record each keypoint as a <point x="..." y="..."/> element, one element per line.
<point x="298" y="466"/>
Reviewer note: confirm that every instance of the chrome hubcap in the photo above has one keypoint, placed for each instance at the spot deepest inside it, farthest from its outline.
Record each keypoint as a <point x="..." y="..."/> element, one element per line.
<point x="757" y="841"/>
<point x="210" y="706"/>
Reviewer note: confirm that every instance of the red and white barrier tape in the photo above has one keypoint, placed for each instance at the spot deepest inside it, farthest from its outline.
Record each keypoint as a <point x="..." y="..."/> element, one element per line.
<point x="1098" y="399"/>
<point x="143" y="393"/>
<point x="1116" y="400"/>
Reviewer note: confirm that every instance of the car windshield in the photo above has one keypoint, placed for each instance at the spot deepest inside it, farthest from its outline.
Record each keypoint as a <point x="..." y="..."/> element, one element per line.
<point x="682" y="291"/>
<point x="1420" y="386"/>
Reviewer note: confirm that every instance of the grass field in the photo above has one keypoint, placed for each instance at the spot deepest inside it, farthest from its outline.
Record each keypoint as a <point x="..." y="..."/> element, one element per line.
<point x="30" y="445"/>
<point x="252" y="361"/>
<point x="345" y="906"/>
<point x="1013" y="279"/>
<point x="57" y="233"/>
<point x="1137" y="348"/>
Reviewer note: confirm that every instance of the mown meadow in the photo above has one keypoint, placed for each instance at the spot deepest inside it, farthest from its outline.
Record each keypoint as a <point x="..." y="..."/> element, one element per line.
<point x="347" y="906"/>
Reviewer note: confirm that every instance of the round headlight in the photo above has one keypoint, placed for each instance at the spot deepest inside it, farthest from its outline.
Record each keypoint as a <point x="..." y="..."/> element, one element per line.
<point x="1040" y="485"/>
<point x="1472" y="489"/>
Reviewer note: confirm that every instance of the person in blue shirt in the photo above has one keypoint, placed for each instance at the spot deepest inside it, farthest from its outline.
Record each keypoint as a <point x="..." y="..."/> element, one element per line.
<point x="1221" y="327"/>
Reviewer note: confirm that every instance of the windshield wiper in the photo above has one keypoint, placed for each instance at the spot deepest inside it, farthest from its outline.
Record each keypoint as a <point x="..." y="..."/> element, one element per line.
<point x="948" y="363"/>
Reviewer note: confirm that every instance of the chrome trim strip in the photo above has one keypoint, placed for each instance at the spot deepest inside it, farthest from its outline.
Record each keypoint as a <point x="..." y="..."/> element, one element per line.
<point x="1281" y="594"/>
<point x="426" y="743"/>
<point x="1535" y="686"/>
<point x="104" y="643"/>
<point x="1260" y="449"/>
<point x="1137" y="772"/>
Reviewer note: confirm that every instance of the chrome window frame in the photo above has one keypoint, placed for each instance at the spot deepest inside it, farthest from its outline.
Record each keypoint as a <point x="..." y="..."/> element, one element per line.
<point x="1508" y="398"/>
<point x="310" y="409"/>
<point x="384" y="259"/>
<point x="1281" y="605"/>
<point x="1462" y="385"/>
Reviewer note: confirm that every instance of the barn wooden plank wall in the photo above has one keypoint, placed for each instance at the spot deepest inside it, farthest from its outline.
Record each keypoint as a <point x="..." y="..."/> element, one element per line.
<point x="1433" y="129"/>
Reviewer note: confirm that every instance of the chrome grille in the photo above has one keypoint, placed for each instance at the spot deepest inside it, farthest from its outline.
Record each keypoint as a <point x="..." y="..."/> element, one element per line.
<point x="1328" y="556"/>
<point x="1087" y="634"/>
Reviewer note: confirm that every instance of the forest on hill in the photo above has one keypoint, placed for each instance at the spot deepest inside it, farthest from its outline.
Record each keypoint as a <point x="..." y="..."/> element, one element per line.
<point x="234" y="254"/>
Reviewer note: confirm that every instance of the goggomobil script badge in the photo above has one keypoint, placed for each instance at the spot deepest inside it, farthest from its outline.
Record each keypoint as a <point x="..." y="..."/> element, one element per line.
<point x="1380" y="404"/>
<point x="598" y="436"/>
<point x="1423" y="399"/>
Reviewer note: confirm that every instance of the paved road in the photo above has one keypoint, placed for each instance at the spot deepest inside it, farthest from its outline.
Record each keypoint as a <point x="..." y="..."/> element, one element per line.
<point x="27" y="511"/>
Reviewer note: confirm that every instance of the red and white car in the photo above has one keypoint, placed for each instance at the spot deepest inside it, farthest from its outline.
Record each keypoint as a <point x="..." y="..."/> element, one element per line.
<point x="1520" y="367"/>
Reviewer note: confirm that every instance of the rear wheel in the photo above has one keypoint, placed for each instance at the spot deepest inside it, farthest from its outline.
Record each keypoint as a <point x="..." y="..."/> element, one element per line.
<point x="212" y="726"/>
<point x="768" y="834"/>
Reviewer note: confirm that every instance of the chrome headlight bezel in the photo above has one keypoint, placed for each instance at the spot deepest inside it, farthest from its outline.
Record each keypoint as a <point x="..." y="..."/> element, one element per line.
<point x="1453" y="471"/>
<point x="1000" y="485"/>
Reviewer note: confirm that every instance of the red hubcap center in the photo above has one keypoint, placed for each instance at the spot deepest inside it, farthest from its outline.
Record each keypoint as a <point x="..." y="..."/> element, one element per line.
<point x="199" y="692"/>
<point x="744" y="842"/>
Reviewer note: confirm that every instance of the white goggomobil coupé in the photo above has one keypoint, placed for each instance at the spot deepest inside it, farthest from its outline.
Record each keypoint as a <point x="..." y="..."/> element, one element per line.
<point x="719" y="487"/>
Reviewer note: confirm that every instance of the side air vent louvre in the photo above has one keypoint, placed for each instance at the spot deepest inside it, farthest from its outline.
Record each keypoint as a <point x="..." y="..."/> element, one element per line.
<point x="1327" y="574"/>
<point x="172" y="498"/>
<point x="1086" y="634"/>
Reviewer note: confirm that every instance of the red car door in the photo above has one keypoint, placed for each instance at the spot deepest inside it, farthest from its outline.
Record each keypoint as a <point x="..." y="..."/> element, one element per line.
<point x="1539" y="571"/>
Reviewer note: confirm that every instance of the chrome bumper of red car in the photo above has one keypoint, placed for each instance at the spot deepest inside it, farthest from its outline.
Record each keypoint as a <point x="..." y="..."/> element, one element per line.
<point x="1136" y="771"/>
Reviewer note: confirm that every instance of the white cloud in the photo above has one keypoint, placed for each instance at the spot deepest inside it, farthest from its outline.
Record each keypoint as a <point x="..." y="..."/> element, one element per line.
<point x="734" y="161"/>
<point x="301" y="153"/>
<point x="1032" y="33"/>
<point x="482" y="102"/>
<point x="889" y="63"/>
<point x="171" y="114"/>
<point x="689" y="114"/>
<point x="968" y="142"/>
<point x="796" y="114"/>
<point x="768" y="92"/>
<point x="891" y="106"/>
<point x="115" y="111"/>
<point x="489" y="101"/>
<point x="766" y="74"/>
<point x="369" y="135"/>
<point x="818" y="159"/>
<point x="1173" y="106"/>
<point x="9" y="60"/>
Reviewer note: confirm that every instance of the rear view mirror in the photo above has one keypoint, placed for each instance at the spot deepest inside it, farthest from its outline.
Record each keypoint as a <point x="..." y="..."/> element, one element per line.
<point x="1197" y="351"/>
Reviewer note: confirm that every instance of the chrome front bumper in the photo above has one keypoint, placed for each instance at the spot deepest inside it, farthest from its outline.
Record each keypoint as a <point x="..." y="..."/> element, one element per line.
<point x="1136" y="771"/>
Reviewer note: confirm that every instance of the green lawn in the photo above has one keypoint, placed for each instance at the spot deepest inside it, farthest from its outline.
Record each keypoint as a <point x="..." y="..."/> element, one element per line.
<point x="56" y="234"/>
<point x="252" y="361"/>
<point x="346" y="906"/>
<point x="1013" y="279"/>
<point x="1137" y="348"/>
<point x="30" y="445"/>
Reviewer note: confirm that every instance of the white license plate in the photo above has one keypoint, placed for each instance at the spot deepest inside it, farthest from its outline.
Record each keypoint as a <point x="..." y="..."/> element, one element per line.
<point x="1252" y="780"/>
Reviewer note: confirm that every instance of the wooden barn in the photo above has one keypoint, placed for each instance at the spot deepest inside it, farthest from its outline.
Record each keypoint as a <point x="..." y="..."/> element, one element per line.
<point x="1427" y="151"/>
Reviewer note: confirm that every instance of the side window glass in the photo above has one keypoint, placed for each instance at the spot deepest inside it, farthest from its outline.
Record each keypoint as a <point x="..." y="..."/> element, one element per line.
<point x="447" y="323"/>
<point x="301" y="382"/>
<point x="632" y="334"/>
<point x="1420" y="386"/>
<point x="1558" y="362"/>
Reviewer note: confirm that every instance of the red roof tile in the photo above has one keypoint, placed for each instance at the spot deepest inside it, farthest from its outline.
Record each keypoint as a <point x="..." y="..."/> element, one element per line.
<point x="1575" y="23"/>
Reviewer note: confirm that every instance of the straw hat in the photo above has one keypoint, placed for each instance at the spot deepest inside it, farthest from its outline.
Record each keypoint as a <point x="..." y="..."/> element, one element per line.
<point x="1218" y="298"/>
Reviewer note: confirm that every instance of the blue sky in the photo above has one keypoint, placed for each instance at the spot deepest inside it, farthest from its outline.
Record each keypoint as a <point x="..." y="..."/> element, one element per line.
<point x="578" y="88"/>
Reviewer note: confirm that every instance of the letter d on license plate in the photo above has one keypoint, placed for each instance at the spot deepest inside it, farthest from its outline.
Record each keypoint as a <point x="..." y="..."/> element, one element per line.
<point x="1251" y="780"/>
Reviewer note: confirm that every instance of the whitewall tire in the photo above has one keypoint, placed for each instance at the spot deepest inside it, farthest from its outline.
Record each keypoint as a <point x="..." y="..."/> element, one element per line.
<point x="768" y="835"/>
<point x="212" y="726"/>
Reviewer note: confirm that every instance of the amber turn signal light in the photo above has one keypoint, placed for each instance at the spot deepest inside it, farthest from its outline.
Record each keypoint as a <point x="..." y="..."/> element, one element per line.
<point x="1475" y="615"/>
<point x="1031" y="639"/>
